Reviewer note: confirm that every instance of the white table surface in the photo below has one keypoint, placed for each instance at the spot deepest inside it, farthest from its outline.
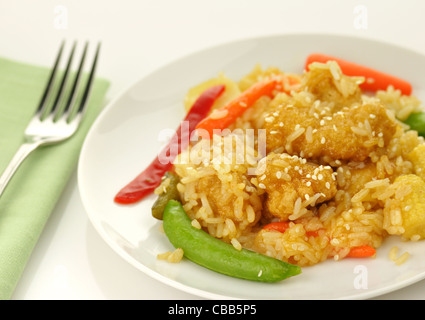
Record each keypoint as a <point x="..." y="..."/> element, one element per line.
<point x="71" y="261"/>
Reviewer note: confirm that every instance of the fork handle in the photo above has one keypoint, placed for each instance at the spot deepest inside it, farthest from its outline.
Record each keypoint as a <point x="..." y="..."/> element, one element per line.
<point x="23" y="151"/>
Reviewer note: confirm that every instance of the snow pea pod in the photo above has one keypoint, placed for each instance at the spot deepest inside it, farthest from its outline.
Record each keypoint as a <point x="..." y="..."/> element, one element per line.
<point x="217" y="255"/>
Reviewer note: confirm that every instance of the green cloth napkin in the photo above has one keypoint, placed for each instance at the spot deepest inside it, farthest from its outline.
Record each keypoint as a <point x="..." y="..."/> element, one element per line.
<point x="34" y="190"/>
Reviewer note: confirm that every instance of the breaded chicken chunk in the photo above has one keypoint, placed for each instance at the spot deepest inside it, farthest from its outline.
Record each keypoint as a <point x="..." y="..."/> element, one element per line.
<point x="327" y="118"/>
<point x="224" y="203"/>
<point x="290" y="181"/>
<point x="328" y="84"/>
<point x="349" y="134"/>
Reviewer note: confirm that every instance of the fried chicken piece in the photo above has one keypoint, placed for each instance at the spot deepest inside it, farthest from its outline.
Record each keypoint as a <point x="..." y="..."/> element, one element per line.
<point x="223" y="202"/>
<point x="327" y="83"/>
<point x="289" y="178"/>
<point x="349" y="134"/>
<point x="352" y="179"/>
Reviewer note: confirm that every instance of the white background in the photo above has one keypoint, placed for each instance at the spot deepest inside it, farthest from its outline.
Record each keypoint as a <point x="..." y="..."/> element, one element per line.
<point x="70" y="260"/>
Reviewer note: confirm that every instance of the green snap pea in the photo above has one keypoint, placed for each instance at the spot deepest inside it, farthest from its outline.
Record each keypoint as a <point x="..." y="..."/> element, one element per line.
<point x="416" y="121"/>
<point x="212" y="253"/>
<point x="171" y="193"/>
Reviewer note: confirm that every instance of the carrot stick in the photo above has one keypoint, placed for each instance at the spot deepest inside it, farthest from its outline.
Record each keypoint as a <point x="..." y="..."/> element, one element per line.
<point x="280" y="226"/>
<point x="361" y="252"/>
<point x="374" y="79"/>
<point x="225" y="116"/>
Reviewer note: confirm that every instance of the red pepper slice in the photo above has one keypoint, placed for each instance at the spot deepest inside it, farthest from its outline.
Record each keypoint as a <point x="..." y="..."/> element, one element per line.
<point x="146" y="182"/>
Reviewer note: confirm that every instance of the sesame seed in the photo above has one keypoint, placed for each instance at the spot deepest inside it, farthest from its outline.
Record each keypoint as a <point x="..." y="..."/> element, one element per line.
<point x="320" y="176"/>
<point x="281" y="124"/>
<point x="372" y="116"/>
<point x="243" y="104"/>
<point x="262" y="186"/>
<point x="308" y="183"/>
<point x="269" y="119"/>
<point x="322" y="122"/>
<point x="323" y="140"/>
<point x="278" y="174"/>
<point x="328" y="185"/>
<point x="307" y="197"/>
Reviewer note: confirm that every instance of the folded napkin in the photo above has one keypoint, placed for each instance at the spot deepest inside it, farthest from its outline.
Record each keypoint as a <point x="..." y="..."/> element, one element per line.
<point x="34" y="190"/>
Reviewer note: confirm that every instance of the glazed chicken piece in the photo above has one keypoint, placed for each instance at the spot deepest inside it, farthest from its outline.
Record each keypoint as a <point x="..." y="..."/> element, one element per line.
<point x="291" y="179"/>
<point x="327" y="118"/>
<point x="222" y="202"/>
<point x="327" y="83"/>
<point x="349" y="134"/>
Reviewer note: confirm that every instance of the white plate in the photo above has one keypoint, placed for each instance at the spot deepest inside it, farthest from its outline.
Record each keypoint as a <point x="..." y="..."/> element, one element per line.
<point x="124" y="140"/>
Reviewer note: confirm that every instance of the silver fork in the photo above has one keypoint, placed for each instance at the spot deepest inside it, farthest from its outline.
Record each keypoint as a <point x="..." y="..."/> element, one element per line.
<point x="53" y="123"/>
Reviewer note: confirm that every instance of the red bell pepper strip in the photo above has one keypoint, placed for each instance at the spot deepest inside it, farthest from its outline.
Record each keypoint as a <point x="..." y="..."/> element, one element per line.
<point x="374" y="79"/>
<point x="146" y="182"/>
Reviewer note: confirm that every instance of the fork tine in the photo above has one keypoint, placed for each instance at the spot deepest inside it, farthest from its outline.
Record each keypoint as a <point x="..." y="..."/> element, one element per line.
<point x="47" y="91"/>
<point x="86" y="94"/>
<point x="62" y="87"/>
<point x="74" y="89"/>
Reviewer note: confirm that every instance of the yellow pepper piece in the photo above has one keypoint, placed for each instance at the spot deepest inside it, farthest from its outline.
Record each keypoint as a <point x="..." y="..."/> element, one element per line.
<point x="231" y="91"/>
<point x="413" y="206"/>
<point x="417" y="157"/>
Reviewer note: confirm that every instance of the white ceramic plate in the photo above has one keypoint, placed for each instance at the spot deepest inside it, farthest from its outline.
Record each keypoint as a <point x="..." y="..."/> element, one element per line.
<point x="124" y="140"/>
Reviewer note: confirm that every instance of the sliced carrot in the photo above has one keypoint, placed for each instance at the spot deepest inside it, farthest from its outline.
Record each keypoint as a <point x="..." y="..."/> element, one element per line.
<point x="280" y="226"/>
<point x="312" y="233"/>
<point x="374" y="79"/>
<point x="225" y="116"/>
<point x="361" y="252"/>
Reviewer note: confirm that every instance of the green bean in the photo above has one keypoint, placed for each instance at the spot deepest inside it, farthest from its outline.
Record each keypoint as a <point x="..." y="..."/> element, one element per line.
<point x="416" y="121"/>
<point x="217" y="255"/>
<point x="171" y="193"/>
